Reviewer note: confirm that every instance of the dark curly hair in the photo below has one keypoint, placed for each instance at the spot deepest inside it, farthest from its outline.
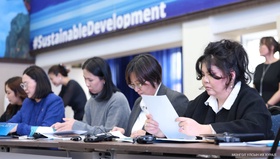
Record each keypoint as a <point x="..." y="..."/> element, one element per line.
<point x="228" y="56"/>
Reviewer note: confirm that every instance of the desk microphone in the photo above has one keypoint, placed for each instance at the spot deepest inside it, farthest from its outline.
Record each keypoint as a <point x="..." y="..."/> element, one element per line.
<point x="146" y="139"/>
<point x="202" y="88"/>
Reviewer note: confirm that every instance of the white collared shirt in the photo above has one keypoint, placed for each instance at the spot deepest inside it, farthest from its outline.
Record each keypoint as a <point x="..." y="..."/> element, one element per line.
<point x="140" y="121"/>
<point x="213" y="103"/>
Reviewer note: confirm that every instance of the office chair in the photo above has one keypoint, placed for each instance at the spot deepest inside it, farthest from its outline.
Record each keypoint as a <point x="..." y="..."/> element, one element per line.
<point x="274" y="110"/>
<point x="275" y="123"/>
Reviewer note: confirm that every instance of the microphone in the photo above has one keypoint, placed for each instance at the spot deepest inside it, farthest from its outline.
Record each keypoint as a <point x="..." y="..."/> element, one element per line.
<point x="201" y="88"/>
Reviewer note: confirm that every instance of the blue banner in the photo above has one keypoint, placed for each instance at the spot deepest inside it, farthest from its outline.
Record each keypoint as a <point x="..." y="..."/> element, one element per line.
<point x="54" y="22"/>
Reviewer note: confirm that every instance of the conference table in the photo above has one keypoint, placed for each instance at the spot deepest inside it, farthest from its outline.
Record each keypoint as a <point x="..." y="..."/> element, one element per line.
<point x="65" y="149"/>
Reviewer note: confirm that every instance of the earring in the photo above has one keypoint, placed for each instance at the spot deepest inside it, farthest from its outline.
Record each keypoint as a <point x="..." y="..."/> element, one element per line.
<point x="232" y="85"/>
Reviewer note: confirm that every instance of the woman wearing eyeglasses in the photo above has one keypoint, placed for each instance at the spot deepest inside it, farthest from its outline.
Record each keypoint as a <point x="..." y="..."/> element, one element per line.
<point x="15" y="95"/>
<point x="144" y="75"/>
<point x="42" y="107"/>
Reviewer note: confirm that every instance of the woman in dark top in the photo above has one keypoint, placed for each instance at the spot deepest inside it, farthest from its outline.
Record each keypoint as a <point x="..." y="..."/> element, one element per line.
<point x="15" y="95"/>
<point x="144" y="75"/>
<point x="228" y="104"/>
<point x="71" y="92"/>
<point x="267" y="74"/>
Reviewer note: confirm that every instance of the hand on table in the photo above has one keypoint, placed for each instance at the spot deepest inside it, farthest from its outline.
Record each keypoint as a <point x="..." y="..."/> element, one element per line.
<point x="66" y="125"/>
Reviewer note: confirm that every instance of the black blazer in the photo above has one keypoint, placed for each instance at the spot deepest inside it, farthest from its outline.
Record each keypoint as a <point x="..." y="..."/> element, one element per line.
<point x="178" y="100"/>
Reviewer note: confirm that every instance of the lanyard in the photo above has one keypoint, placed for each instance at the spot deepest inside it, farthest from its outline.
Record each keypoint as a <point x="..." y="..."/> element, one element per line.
<point x="263" y="73"/>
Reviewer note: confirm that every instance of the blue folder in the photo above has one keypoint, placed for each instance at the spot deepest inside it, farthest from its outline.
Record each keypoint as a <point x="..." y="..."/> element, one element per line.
<point x="5" y="128"/>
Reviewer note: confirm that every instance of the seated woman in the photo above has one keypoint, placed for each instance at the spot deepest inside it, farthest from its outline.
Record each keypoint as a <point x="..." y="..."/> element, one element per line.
<point x="15" y="95"/>
<point x="144" y="75"/>
<point x="106" y="108"/>
<point x="42" y="107"/>
<point x="228" y="104"/>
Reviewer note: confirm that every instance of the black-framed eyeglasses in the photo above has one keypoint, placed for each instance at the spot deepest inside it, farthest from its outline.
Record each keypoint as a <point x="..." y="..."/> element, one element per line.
<point x="23" y="85"/>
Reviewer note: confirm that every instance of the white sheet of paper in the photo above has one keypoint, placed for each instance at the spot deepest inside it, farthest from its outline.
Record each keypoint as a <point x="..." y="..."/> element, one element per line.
<point x="121" y="136"/>
<point x="51" y="134"/>
<point x="164" y="113"/>
<point x="44" y="129"/>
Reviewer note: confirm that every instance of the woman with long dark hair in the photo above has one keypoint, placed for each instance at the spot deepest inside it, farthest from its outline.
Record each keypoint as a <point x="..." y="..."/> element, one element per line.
<point x="15" y="95"/>
<point x="107" y="106"/>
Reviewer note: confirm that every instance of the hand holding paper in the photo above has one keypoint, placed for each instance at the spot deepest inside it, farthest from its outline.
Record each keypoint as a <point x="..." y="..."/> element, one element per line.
<point x="165" y="115"/>
<point x="191" y="127"/>
<point x="152" y="127"/>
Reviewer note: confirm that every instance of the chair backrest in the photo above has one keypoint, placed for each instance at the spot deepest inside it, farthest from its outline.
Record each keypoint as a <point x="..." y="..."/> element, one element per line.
<point x="274" y="110"/>
<point x="275" y="123"/>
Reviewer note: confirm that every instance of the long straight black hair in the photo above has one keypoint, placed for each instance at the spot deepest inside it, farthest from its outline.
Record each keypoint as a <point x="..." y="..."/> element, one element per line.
<point x="99" y="67"/>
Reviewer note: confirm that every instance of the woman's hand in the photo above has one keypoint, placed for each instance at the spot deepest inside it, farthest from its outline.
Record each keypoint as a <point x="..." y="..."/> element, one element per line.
<point x="190" y="127"/>
<point x="14" y="129"/>
<point x="66" y="125"/>
<point x="138" y="133"/>
<point x="152" y="127"/>
<point x="118" y="129"/>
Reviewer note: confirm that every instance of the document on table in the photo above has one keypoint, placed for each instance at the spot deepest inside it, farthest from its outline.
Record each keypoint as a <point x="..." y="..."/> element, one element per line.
<point x="121" y="136"/>
<point x="259" y="143"/>
<point x="44" y="130"/>
<point x="164" y="113"/>
<point x="52" y="134"/>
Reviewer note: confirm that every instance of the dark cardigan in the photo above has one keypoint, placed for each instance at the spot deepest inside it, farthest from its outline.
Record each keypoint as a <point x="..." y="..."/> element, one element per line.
<point x="248" y="114"/>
